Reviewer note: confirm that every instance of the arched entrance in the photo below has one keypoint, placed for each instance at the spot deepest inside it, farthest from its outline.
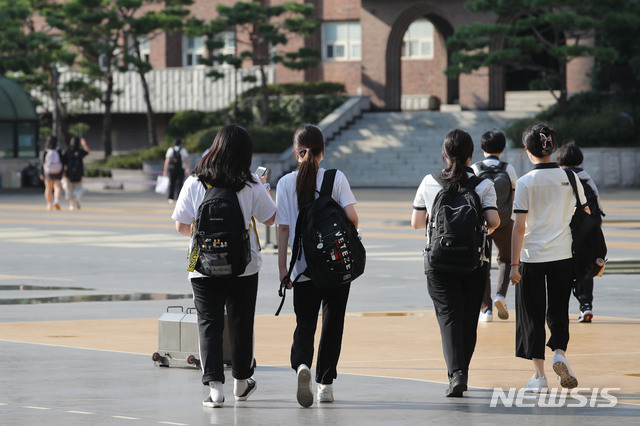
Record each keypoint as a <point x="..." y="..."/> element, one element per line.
<point x="393" y="89"/>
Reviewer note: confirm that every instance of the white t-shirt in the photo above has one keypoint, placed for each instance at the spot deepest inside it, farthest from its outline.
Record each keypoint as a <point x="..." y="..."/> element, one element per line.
<point x="254" y="201"/>
<point x="546" y="196"/>
<point x="287" y="201"/>
<point x="494" y="161"/>
<point x="429" y="188"/>
<point x="183" y="155"/>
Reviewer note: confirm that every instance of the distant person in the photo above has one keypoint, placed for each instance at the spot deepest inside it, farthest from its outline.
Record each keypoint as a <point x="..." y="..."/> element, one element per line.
<point x="227" y="166"/>
<point x="456" y="296"/>
<point x="504" y="178"/>
<point x="73" y="158"/>
<point x="294" y="191"/>
<point x="569" y="156"/>
<point x="541" y="251"/>
<point x="176" y="166"/>
<point x="51" y="172"/>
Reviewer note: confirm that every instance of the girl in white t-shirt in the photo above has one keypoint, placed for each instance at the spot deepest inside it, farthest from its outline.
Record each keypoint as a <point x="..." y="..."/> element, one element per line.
<point x="456" y="296"/>
<point x="295" y="190"/>
<point x="227" y="165"/>
<point x="541" y="240"/>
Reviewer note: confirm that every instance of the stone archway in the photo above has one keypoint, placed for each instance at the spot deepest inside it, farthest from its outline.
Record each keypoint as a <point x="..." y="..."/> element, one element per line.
<point x="393" y="88"/>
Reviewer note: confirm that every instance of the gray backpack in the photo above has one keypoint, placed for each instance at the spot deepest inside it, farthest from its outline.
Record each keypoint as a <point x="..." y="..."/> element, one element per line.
<point x="502" y="184"/>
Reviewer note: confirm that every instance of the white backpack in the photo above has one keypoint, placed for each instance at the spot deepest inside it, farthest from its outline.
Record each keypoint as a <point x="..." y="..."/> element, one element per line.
<point x="52" y="161"/>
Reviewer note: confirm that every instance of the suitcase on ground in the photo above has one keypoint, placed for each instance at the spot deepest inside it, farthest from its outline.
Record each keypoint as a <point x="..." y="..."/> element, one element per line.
<point x="178" y="339"/>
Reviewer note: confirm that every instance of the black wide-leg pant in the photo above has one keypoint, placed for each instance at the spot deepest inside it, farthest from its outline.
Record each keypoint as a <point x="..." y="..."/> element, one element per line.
<point x="307" y="300"/>
<point x="457" y="298"/>
<point x="543" y="292"/>
<point x="211" y="296"/>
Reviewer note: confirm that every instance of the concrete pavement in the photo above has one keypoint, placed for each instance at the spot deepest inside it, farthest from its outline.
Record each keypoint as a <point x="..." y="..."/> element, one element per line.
<point x="110" y="270"/>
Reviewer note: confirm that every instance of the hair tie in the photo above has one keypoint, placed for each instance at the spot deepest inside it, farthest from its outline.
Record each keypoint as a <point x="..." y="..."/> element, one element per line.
<point x="544" y="139"/>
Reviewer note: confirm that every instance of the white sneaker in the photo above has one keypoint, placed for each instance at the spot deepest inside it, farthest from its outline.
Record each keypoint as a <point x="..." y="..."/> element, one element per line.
<point x="561" y="367"/>
<point x="486" y="316"/>
<point x="305" y="394"/>
<point x="585" y="316"/>
<point x="537" y="385"/>
<point x="325" y="393"/>
<point x="501" y="306"/>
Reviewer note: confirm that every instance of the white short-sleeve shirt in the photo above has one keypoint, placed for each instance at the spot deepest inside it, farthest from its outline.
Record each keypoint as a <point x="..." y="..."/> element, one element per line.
<point x="546" y="196"/>
<point x="254" y="201"/>
<point x="429" y="188"/>
<point x="287" y="201"/>
<point x="183" y="155"/>
<point x="494" y="161"/>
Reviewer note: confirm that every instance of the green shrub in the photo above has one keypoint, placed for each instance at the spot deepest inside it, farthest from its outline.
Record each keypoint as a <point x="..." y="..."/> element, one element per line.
<point x="270" y="139"/>
<point x="593" y="119"/>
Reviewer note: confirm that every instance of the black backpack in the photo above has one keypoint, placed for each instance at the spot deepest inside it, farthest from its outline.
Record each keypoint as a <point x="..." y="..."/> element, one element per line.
<point x="589" y="247"/>
<point x="504" y="191"/>
<point x="175" y="162"/>
<point x="332" y="248"/>
<point x="456" y="233"/>
<point x="590" y="195"/>
<point x="222" y="245"/>
<point x="75" y="168"/>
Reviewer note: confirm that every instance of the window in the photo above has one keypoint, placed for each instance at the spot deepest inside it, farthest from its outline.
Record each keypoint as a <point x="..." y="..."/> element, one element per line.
<point x="192" y="49"/>
<point x="341" y="41"/>
<point x="145" y="48"/>
<point x="418" y="40"/>
<point x="229" y="48"/>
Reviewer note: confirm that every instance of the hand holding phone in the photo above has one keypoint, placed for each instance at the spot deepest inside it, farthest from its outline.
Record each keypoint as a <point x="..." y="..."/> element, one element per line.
<point x="261" y="171"/>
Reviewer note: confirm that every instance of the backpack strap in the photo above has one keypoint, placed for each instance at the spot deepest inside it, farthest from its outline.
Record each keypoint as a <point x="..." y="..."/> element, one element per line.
<point x="327" y="182"/>
<point x="574" y="186"/>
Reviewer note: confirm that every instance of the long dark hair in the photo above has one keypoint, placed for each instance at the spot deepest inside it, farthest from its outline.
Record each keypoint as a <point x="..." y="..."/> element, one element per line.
<point x="309" y="143"/>
<point x="228" y="161"/>
<point x="457" y="148"/>
<point x="51" y="142"/>
<point x="74" y="143"/>
<point x="540" y="140"/>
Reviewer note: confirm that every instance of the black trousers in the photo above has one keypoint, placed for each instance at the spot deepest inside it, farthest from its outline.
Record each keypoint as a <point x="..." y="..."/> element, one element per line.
<point x="543" y="292"/>
<point x="457" y="299"/>
<point x="211" y="296"/>
<point x="176" y="178"/>
<point x="584" y="293"/>
<point x="307" y="299"/>
<point x="501" y="237"/>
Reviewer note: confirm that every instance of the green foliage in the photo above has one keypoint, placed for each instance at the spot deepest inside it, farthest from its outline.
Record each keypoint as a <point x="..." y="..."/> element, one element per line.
<point x="185" y="122"/>
<point x="593" y="119"/>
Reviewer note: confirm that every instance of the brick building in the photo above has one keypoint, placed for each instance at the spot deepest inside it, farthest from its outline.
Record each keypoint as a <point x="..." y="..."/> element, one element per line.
<point x="390" y="50"/>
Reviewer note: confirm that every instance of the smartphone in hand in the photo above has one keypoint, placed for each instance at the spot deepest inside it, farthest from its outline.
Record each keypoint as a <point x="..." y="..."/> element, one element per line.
<point x="260" y="171"/>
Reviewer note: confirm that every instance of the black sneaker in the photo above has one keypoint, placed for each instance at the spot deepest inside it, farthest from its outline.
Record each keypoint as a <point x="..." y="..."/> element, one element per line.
<point x="251" y="387"/>
<point x="457" y="384"/>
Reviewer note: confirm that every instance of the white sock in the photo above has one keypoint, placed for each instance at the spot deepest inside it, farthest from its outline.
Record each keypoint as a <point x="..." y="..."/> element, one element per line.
<point x="239" y="386"/>
<point x="216" y="392"/>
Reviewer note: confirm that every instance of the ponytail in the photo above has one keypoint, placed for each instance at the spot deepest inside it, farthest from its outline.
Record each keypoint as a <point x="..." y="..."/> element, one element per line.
<point x="457" y="149"/>
<point x="309" y="144"/>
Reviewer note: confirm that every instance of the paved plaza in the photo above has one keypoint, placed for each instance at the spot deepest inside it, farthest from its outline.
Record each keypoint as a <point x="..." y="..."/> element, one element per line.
<point x="81" y="293"/>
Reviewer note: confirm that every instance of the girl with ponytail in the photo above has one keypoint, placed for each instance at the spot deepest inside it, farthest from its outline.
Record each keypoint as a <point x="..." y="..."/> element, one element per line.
<point x="294" y="191"/>
<point x="456" y="296"/>
<point x="541" y="251"/>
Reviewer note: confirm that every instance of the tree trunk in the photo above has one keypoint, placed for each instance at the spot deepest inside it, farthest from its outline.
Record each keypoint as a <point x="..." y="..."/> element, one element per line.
<point x="151" y="118"/>
<point x="562" y="100"/>
<point x="106" y="119"/>
<point x="265" y="97"/>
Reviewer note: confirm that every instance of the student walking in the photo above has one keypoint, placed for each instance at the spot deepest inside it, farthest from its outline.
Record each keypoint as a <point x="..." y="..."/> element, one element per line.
<point x="457" y="291"/>
<point x="504" y="178"/>
<point x="176" y="166"/>
<point x="227" y="166"/>
<point x="73" y="158"/>
<point x="542" y="259"/>
<point x="294" y="191"/>
<point x="51" y="172"/>
<point x="569" y="156"/>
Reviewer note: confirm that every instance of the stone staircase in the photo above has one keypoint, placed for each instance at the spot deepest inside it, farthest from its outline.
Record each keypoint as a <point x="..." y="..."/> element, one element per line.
<point x="397" y="149"/>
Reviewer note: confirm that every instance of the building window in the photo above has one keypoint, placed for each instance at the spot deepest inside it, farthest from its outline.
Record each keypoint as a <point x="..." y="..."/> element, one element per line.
<point x="192" y="49"/>
<point x="341" y="41"/>
<point x="418" y="40"/>
<point x="145" y="48"/>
